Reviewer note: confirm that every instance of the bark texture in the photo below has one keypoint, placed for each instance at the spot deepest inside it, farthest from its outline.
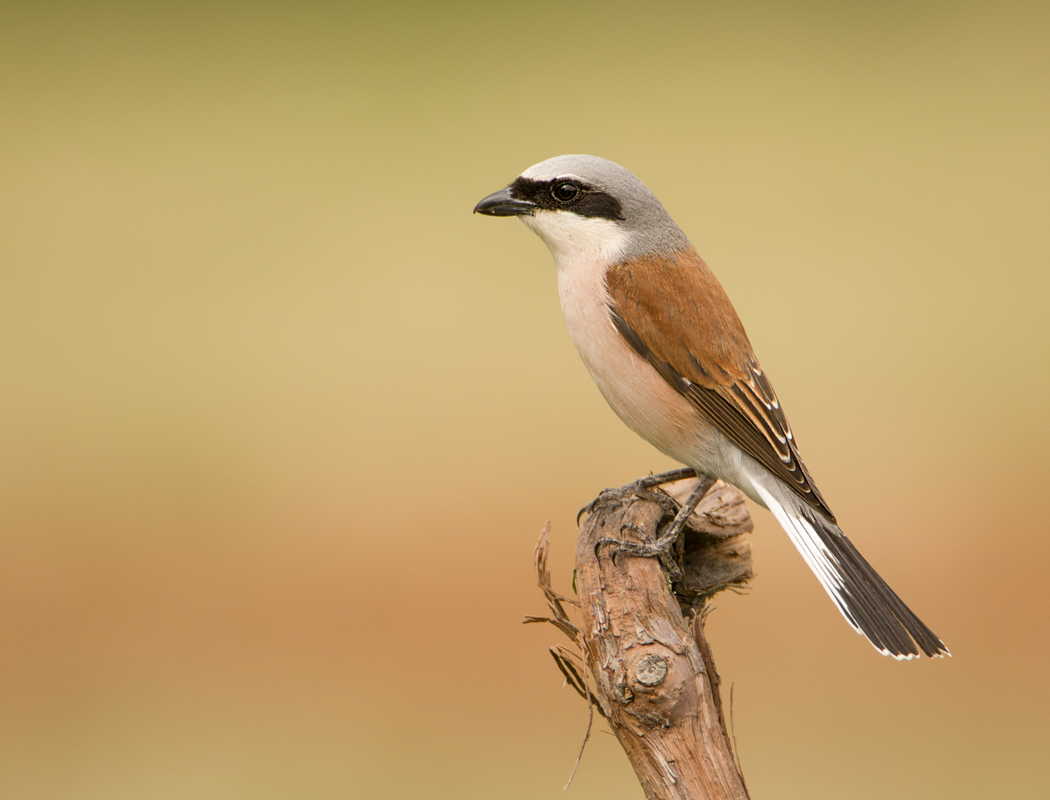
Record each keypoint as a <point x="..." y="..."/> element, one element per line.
<point x="653" y="675"/>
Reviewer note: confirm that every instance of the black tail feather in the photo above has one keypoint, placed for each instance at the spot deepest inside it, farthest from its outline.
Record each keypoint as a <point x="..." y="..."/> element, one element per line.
<point x="875" y="608"/>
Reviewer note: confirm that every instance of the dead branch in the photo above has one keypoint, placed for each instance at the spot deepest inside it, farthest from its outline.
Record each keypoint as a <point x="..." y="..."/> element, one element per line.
<point x="641" y="639"/>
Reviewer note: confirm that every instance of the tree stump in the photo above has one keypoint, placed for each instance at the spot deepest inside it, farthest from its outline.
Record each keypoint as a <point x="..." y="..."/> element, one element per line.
<point x="652" y="674"/>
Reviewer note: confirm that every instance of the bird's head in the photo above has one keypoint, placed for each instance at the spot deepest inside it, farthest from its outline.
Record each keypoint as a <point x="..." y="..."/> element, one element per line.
<point x="585" y="207"/>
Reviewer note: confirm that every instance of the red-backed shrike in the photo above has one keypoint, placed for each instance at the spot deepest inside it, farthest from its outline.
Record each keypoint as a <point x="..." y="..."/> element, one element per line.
<point x="665" y="346"/>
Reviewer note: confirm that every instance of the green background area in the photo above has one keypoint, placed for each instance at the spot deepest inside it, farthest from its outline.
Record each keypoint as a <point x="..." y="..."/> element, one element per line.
<point x="280" y="420"/>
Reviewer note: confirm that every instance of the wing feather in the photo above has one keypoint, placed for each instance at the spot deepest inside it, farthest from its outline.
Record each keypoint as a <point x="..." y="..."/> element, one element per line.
<point x="675" y="314"/>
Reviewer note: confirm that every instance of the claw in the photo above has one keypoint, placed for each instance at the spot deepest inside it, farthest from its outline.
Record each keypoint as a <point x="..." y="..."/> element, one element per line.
<point x="665" y="540"/>
<point x="643" y="488"/>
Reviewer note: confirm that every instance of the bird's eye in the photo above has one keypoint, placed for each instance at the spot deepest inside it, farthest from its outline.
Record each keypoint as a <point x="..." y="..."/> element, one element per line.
<point x="565" y="191"/>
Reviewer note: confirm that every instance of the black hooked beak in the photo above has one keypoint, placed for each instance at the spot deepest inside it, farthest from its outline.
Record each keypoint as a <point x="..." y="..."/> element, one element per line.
<point x="502" y="204"/>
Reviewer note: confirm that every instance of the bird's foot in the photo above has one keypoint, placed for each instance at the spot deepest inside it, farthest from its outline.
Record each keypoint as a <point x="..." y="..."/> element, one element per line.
<point x="642" y="489"/>
<point x="669" y="537"/>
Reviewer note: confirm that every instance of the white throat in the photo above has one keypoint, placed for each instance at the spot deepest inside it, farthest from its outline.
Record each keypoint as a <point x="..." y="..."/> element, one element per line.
<point x="573" y="239"/>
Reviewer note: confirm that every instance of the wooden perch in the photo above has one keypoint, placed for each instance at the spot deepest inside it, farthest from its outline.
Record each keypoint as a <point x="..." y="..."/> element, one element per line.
<point x="648" y="667"/>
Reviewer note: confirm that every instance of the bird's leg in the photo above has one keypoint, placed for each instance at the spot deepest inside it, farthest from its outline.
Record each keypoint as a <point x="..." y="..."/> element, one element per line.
<point x="663" y="543"/>
<point x="674" y="530"/>
<point x="642" y="488"/>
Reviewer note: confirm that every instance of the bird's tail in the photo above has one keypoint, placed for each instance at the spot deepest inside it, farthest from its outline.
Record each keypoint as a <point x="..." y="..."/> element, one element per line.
<point x="869" y="605"/>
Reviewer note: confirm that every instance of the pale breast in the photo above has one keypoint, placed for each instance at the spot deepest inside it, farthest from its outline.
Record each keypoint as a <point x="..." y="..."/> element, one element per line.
<point x="634" y="390"/>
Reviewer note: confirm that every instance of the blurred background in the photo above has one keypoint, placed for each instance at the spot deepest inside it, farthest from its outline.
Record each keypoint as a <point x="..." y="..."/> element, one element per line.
<point x="280" y="421"/>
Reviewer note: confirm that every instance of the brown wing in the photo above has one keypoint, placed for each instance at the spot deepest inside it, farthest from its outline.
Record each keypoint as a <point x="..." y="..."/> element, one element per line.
<point x="674" y="313"/>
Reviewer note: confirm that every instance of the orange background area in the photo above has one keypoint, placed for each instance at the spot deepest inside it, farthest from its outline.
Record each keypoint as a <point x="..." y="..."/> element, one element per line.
<point x="280" y="420"/>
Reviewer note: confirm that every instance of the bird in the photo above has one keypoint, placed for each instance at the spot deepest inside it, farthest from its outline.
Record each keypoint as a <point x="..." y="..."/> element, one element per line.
<point x="663" y="343"/>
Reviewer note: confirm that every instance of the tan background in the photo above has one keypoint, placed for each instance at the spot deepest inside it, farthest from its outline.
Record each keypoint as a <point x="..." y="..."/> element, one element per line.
<point x="280" y="420"/>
